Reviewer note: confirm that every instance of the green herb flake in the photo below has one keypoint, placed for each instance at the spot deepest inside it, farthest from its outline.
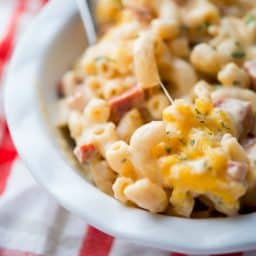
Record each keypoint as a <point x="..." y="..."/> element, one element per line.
<point x="238" y="54"/>
<point x="249" y="19"/>
<point x="197" y="111"/>
<point x="236" y="83"/>
<point x="124" y="160"/>
<point x="182" y="141"/>
<point x="206" y="24"/>
<point x="192" y="142"/>
<point x="223" y="125"/>
<point x="237" y="43"/>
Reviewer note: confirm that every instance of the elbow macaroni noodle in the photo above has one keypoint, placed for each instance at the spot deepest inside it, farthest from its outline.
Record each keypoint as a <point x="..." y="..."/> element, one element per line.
<point x="195" y="157"/>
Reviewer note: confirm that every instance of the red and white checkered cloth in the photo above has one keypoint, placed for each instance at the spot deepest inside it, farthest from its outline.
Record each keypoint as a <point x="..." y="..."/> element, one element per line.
<point x="31" y="222"/>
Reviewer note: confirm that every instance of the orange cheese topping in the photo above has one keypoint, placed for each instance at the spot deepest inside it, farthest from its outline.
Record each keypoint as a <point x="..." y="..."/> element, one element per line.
<point x="192" y="159"/>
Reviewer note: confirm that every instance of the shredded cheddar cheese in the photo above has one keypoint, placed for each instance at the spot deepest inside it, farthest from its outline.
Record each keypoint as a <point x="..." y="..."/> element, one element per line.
<point x="197" y="161"/>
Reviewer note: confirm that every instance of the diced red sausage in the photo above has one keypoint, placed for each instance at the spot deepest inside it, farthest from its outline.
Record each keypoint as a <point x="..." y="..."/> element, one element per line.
<point x="237" y="170"/>
<point x="85" y="152"/>
<point x="250" y="67"/>
<point x="241" y="113"/>
<point x="121" y="104"/>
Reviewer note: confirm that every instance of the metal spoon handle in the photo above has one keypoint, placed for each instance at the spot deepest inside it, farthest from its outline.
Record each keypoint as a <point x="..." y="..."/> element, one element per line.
<point x="90" y="30"/>
<point x="87" y="21"/>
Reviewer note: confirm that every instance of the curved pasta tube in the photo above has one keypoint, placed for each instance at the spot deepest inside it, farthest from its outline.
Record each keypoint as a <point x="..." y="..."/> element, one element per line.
<point x="237" y="93"/>
<point x="182" y="202"/>
<point x="131" y="121"/>
<point x="103" y="176"/>
<point x="119" y="186"/>
<point x="234" y="149"/>
<point x="205" y="59"/>
<point x="231" y="74"/>
<point x="76" y="125"/>
<point x="202" y="90"/>
<point x="142" y="142"/>
<point x="112" y="89"/>
<point x="147" y="195"/>
<point x="69" y="83"/>
<point x="156" y="104"/>
<point x="145" y="66"/>
<point x="101" y="135"/>
<point x="96" y="111"/>
<point x="184" y="76"/>
<point x="167" y="10"/>
<point x="198" y="12"/>
<point x="219" y="205"/>
<point x="118" y="156"/>
<point x="165" y="28"/>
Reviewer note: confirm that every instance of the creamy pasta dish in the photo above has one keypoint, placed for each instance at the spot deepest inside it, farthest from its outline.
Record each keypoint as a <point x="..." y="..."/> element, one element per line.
<point x="194" y="156"/>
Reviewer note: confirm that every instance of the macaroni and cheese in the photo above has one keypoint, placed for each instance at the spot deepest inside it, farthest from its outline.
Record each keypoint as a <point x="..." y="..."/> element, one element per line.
<point x="193" y="157"/>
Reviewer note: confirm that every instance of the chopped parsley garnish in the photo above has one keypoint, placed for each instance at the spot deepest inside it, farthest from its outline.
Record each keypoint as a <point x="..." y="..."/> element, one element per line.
<point x="192" y="142"/>
<point x="238" y="54"/>
<point x="206" y="24"/>
<point x="249" y="19"/>
<point x="237" y="43"/>
<point x="236" y="83"/>
<point x="197" y="111"/>
<point x="199" y="116"/>
<point x="124" y="160"/>
<point x="224" y="125"/>
<point x="182" y="141"/>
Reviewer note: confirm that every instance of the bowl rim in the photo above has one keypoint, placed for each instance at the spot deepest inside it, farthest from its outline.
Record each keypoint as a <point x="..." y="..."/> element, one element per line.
<point x="182" y="235"/>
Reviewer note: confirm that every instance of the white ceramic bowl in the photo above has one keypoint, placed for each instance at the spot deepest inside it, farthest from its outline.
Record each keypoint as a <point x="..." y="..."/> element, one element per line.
<point x="46" y="51"/>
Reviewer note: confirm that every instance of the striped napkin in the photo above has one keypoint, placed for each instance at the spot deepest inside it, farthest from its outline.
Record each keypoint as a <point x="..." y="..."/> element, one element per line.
<point x="24" y="229"/>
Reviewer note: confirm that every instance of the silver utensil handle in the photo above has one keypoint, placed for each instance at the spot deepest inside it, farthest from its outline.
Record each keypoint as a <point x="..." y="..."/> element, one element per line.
<point x="87" y="21"/>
